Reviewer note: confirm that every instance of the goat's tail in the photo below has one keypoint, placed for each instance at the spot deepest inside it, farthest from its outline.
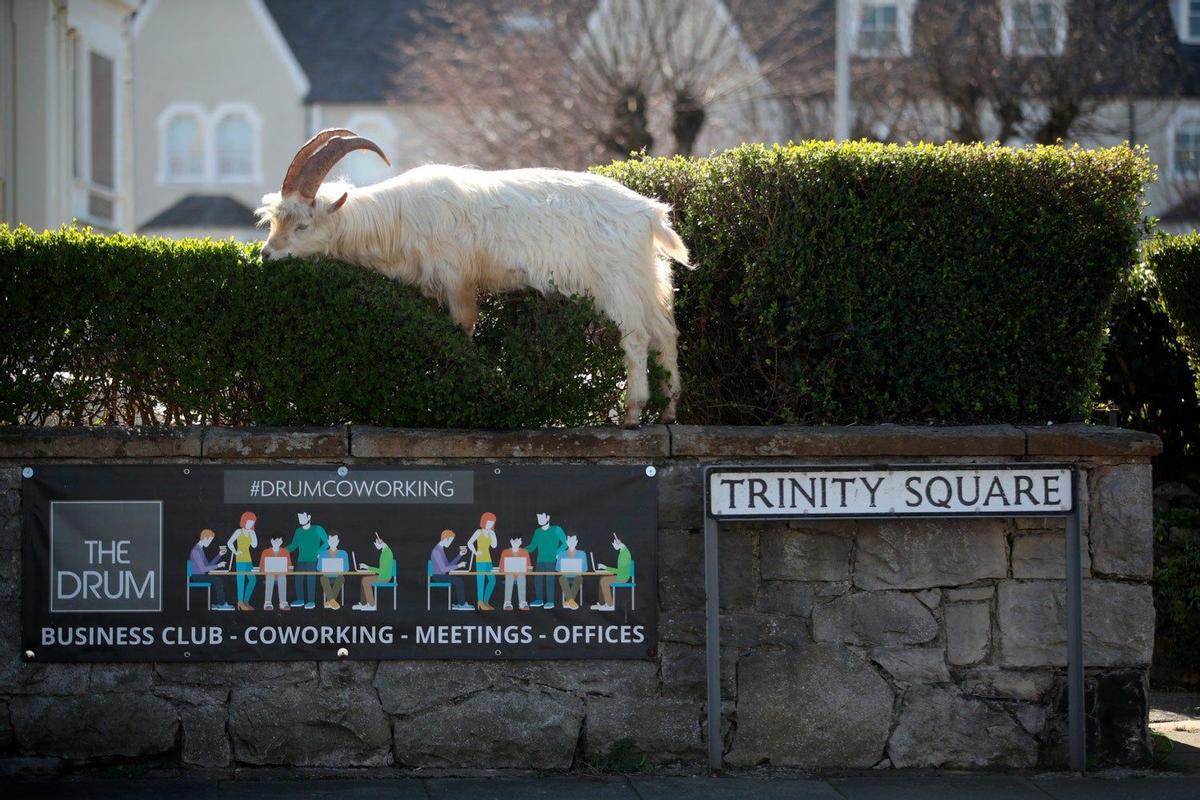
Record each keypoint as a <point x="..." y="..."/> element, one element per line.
<point x="666" y="240"/>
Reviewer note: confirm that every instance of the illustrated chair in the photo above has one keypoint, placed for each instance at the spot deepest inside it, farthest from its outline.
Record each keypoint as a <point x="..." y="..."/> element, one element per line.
<point x="630" y="584"/>
<point x="430" y="585"/>
<point x="389" y="585"/>
<point x="205" y="584"/>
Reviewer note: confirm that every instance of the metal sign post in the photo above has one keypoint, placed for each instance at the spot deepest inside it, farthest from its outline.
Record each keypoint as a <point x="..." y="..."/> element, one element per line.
<point x="921" y="491"/>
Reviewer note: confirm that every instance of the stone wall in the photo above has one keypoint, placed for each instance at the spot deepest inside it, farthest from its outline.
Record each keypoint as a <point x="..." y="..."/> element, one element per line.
<point x="844" y="644"/>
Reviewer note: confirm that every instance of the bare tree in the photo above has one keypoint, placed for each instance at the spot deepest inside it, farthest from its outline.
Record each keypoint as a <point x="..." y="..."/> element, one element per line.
<point x="576" y="82"/>
<point x="1040" y="72"/>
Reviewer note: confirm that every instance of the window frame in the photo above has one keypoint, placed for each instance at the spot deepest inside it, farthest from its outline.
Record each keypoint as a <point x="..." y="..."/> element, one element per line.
<point x="1182" y="17"/>
<point x="1008" y="30"/>
<point x="364" y="120"/>
<point x="904" y="17"/>
<point x="254" y="119"/>
<point x="1181" y="117"/>
<point x="208" y="122"/>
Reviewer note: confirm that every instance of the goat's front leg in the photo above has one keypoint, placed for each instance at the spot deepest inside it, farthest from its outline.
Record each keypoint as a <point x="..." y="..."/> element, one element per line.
<point x="463" y="303"/>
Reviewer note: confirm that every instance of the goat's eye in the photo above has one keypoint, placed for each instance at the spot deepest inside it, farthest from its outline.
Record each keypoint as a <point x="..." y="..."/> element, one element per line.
<point x="301" y="227"/>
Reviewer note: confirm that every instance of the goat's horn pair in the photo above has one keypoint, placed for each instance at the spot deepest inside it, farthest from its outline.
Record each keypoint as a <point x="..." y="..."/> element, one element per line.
<point x="313" y="161"/>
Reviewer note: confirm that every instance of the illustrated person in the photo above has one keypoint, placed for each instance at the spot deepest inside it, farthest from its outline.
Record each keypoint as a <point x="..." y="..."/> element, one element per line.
<point x="202" y="565"/>
<point x="240" y="543"/>
<point x="384" y="573"/>
<point x="331" y="583"/>
<point x="619" y="574"/>
<point x="308" y="540"/>
<point x="511" y="578"/>
<point x="275" y="579"/>
<point x="442" y="567"/>
<point x="480" y="544"/>
<point x="545" y="545"/>
<point x="570" y="583"/>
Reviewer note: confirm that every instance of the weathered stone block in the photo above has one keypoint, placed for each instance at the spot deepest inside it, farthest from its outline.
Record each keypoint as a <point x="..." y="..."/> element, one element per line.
<point x="683" y="673"/>
<point x="661" y="729"/>
<point x="792" y="555"/>
<point x="680" y="569"/>
<point x="941" y="728"/>
<point x="913" y="664"/>
<point x="754" y="630"/>
<point x="121" y="677"/>
<point x="234" y="443"/>
<point x="612" y="678"/>
<point x="968" y="632"/>
<point x="1042" y="554"/>
<point x="737" y="567"/>
<point x="680" y="496"/>
<point x="790" y="712"/>
<point x="1122" y="525"/>
<point x="1118" y="623"/>
<point x="19" y="443"/>
<point x="276" y="673"/>
<point x="307" y="726"/>
<point x="205" y="742"/>
<point x="1076" y="439"/>
<point x="786" y="597"/>
<point x="969" y="593"/>
<point x="347" y="673"/>
<point x="94" y="726"/>
<point x="684" y="627"/>
<point x="921" y="554"/>
<point x="1122" y="705"/>
<point x="809" y="441"/>
<point x="1007" y="684"/>
<point x="874" y="618"/>
<point x="492" y="730"/>
<point x="408" y="687"/>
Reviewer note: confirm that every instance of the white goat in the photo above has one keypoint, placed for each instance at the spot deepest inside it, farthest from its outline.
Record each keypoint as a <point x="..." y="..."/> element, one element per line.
<point x="453" y="232"/>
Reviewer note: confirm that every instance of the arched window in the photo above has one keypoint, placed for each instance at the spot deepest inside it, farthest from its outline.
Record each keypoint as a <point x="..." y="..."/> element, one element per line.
<point x="1186" y="147"/>
<point x="183" y="146"/>
<point x="234" y="136"/>
<point x="362" y="168"/>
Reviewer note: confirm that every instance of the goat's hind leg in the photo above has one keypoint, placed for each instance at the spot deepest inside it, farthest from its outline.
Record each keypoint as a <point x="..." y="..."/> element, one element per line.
<point x="664" y="343"/>
<point x="635" y="343"/>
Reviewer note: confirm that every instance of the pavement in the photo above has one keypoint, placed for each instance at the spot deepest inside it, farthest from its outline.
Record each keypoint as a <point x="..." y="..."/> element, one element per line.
<point x="1177" y="717"/>
<point x="947" y="786"/>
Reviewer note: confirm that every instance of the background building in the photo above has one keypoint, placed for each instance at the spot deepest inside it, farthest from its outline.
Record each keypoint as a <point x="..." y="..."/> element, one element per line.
<point x="173" y="117"/>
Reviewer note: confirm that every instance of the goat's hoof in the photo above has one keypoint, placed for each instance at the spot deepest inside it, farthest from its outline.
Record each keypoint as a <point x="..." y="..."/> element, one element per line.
<point x="631" y="422"/>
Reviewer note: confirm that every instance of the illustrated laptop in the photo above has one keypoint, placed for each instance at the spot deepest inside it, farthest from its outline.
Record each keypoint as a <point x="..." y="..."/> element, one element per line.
<point x="275" y="564"/>
<point x="572" y="565"/>
<point x="331" y="564"/>
<point x="516" y="564"/>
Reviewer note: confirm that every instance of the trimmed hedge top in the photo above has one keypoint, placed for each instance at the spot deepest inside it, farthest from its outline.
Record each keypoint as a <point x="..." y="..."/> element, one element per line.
<point x="836" y="283"/>
<point x="1175" y="262"/>
<point x="859" y="282"/>
<point x="134" y="330"/>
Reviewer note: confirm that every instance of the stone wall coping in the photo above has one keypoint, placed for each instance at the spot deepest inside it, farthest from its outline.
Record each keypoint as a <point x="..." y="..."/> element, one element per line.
<point x="651" y="442"/>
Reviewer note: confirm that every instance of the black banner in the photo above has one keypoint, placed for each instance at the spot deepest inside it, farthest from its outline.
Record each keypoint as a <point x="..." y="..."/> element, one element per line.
<point x="228" y="563"/>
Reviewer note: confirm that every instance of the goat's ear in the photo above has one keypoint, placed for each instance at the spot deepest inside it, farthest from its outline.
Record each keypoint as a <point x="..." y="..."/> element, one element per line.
<point x="341" y="201"/>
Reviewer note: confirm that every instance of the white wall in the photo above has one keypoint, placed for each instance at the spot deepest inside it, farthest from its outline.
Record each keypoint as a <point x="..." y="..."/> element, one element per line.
<point x="208" y="55"/>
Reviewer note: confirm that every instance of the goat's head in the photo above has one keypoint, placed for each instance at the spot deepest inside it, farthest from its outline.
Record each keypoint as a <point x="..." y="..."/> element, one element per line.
<point x="301" y="212"/>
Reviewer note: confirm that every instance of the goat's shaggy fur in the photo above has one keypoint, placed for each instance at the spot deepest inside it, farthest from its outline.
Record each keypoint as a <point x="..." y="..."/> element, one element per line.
<point x="456" y="231"/>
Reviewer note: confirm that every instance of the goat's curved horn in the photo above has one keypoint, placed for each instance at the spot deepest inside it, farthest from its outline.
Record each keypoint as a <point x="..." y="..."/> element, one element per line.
<point x="319" y="163"/>
<point x="306" y="150"/>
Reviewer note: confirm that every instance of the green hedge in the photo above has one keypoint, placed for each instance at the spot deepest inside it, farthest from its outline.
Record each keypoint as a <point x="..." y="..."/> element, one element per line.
<point x="126" y="329"/>
<point x="834" y="284"/>
<point x="1147" y="382"/>
<point x="866" y="282"/>
<point x="1175" y="261"/>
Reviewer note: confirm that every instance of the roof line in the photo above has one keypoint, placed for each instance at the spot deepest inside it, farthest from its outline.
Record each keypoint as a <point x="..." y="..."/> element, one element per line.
<point x="277" y="40"/>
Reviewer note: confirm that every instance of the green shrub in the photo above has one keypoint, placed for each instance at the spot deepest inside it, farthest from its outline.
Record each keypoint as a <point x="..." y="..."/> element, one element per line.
<point x="1147" y="383"/>
<point x="126" y="329"/>
<point x="1175" y="261"/>
<point x="866" y="282"/>
<point x="834" y="284"/>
